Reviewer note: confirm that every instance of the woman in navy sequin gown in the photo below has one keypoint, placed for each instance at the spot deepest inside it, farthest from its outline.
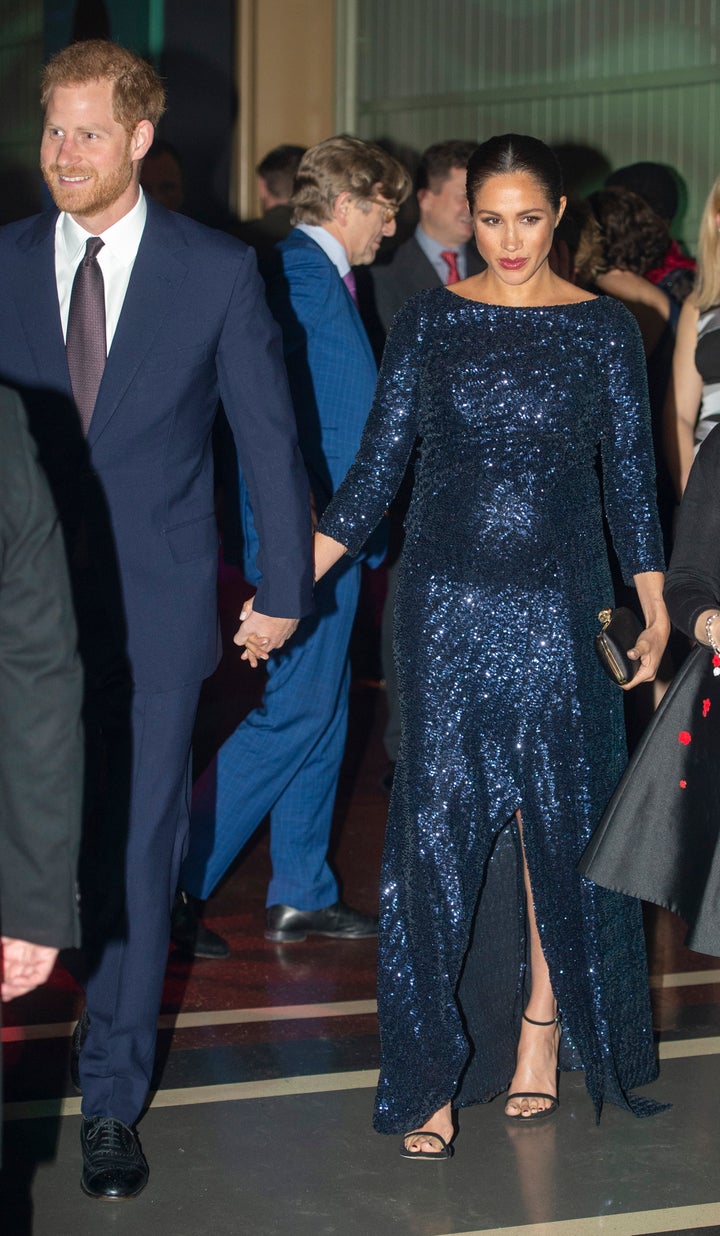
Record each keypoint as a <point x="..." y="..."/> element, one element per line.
<point x="513" y="737"/>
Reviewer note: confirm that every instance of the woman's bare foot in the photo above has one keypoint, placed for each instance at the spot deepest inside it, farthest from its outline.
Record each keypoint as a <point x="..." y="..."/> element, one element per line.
<point x="535" y="1069"/>
<point x="440" y="1122"/>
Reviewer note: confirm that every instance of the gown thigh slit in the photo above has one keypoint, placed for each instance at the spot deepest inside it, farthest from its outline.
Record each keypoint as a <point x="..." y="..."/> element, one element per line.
<point x="503" y="703"/>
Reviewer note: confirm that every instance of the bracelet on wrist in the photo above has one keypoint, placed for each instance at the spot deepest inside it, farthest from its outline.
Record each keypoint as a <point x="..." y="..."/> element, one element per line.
<point x="708" y="632"/>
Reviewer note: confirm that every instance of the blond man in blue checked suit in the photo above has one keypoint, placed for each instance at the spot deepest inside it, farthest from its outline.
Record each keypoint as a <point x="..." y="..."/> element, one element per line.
<point x="347" y="193"/>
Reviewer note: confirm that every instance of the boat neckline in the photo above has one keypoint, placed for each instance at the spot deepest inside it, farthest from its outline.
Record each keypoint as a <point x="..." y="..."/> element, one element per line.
<point x="488" y="304"/>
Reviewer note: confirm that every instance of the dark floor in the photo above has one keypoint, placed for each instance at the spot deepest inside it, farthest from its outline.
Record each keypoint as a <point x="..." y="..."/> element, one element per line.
<point x="261" y="1121"/>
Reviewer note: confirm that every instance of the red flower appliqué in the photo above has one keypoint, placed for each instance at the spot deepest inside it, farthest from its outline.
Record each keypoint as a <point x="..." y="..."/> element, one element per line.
<point x="683" y="785"/>
<point x="706" y="707"/>
<point x="684" y="738"/>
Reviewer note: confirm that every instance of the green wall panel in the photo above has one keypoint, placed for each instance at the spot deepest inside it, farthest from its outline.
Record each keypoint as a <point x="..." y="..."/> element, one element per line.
<point x="634" y="79"/>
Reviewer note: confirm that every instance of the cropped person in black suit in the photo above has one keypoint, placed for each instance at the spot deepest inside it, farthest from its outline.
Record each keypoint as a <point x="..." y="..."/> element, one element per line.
<point x="40" y="699"/>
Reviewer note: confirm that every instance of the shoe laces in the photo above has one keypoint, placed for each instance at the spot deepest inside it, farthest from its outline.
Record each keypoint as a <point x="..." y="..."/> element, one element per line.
<point x="110" y="1138"/>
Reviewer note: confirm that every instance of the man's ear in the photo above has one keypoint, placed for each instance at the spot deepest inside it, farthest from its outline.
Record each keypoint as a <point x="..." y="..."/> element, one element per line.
<point x="142" y="139"/>
<point x="341" y="208"/>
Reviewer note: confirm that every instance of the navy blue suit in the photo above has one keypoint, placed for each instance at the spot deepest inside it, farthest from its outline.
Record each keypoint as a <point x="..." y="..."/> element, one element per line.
<point x="136" y="501"/>
<point x="285" y="757"/>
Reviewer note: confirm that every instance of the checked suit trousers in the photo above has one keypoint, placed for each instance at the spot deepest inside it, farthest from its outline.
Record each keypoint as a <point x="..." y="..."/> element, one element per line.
<point x="284" y="759"/>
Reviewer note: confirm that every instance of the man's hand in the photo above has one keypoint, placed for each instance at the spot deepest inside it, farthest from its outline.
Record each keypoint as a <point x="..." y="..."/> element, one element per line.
<point x="24" y="966"/>
<point x="261" y="634"/>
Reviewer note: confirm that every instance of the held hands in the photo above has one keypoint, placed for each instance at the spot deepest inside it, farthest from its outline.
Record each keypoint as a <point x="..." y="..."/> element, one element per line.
<point x="24" y="966"/>
<point x="261" y="634"/>
<point x="648" y="651"/>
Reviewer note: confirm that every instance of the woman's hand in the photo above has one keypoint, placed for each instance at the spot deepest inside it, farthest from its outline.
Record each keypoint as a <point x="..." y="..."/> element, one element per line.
<point x="261" y="634"/>
<point x="648" y="651"/>
<point x="651" y="642"/>
<point x="254" y="650"/>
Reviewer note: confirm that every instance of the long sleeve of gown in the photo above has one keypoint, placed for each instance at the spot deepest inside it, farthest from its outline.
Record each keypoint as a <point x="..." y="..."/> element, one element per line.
<point x="627" y="452"/>
<point x="387" y="442"/>
<point x="693" y="582"/>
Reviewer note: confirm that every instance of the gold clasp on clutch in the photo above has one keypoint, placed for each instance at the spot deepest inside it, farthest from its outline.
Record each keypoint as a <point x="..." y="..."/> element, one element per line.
<point x="605" y="617"/>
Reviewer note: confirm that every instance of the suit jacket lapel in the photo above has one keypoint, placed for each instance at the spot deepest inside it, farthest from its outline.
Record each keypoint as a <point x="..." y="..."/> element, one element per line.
<point x="363" y="337"/>
<point x="157" y="273"/>
<point x="38" y="307"/>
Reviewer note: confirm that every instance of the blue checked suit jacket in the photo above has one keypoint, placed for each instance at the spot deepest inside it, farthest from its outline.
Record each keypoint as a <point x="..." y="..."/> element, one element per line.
<point x="331" y="369"/>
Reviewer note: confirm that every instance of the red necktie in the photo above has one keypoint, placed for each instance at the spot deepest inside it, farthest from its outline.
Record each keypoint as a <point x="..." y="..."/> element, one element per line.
<point x="350" y="284"/>
<point x="449" y="256"/>
<point x="86" y="345"/>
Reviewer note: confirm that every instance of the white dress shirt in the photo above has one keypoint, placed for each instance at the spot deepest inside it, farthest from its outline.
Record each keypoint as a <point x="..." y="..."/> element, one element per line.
<point x="116" y="260"/>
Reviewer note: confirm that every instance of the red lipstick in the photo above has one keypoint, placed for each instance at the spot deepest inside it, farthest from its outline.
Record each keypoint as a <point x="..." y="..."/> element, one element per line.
<point x="512" y="263"/>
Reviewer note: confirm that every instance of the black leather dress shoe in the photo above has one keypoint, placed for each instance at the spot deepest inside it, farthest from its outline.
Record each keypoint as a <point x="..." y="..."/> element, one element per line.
<point x="77" y="1043"/>
<point x="285" y="923"/>
<point x="114" y="1166"/>
<point x="189" y="935"/>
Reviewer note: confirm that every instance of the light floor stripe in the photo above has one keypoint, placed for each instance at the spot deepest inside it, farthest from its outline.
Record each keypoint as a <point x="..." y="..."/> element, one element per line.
<point x="291" y="1012"/>
<point x="186" y="1096"/>
<point x="683" y="1049"/>
<point x="689" y="978"/>
<point x="278" y="1087"/>
<point x="221" y="1017"/>
<point x="677" y="1218"/>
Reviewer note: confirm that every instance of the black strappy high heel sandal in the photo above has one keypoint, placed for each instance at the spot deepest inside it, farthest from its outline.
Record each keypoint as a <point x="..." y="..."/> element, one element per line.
<point x="544" y="1112"/>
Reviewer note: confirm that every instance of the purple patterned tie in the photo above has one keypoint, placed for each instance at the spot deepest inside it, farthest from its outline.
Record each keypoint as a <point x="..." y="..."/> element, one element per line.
<point x="86" y="341"/>
<point x="350" y="284"/>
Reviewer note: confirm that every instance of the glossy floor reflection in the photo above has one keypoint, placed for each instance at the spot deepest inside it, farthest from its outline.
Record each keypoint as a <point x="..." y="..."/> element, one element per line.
<point x="261" y="1121"/>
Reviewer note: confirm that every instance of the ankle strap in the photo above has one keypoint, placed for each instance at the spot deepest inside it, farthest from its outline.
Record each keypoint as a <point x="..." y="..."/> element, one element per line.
<point x="552" y="1022"/>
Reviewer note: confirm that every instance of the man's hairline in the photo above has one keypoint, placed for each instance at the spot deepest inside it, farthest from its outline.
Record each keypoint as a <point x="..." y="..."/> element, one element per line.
<point x="456" y="167"/>
<point x="88" y="81"/>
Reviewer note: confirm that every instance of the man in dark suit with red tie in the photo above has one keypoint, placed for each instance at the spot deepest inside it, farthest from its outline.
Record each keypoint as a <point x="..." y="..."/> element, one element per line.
<point x="442" y="249"/>
<point x="124" y="432"/>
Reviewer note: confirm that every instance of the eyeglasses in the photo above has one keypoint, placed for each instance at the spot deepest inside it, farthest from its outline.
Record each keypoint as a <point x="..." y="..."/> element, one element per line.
<point x="389" y="211"/>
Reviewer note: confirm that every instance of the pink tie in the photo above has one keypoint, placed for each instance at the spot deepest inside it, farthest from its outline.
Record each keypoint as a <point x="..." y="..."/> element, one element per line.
<point x="449" y="256"/>
<point x="350" y="284"/>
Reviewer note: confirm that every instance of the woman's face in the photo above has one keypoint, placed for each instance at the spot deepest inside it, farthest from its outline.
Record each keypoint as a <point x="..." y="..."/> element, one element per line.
<point x="514" y="224"/>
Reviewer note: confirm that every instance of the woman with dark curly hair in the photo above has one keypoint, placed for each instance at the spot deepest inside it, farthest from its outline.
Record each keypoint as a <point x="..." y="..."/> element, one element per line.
<point x="633" y="241"/>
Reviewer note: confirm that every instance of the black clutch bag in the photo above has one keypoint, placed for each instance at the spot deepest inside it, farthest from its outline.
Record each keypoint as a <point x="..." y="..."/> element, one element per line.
<point x="619" y="633"/>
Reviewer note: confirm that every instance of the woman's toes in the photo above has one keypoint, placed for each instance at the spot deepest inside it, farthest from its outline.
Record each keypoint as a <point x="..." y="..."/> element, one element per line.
<point x="418" y="1145"/>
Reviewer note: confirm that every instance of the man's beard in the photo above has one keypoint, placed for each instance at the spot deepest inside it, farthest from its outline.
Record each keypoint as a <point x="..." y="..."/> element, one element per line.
<point x="93" y="196"/>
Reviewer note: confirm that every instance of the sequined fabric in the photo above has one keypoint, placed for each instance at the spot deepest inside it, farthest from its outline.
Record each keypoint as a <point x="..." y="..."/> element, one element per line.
<point x="504" y="705"/>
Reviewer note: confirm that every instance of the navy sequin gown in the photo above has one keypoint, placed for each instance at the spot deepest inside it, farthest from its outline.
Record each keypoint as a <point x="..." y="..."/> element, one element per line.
<point x="504" y="705"/>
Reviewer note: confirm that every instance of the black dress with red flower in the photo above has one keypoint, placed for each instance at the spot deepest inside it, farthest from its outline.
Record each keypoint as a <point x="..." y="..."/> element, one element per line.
<point x="504" y="705"/>
<point x="660" y="837"/>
